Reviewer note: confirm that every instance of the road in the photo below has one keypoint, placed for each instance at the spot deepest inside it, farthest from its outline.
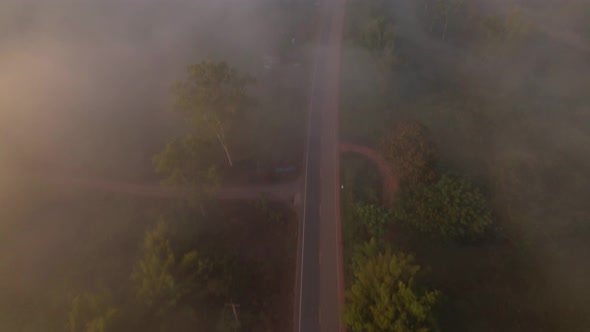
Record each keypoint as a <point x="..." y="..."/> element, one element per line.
<point x="320" y="287"/>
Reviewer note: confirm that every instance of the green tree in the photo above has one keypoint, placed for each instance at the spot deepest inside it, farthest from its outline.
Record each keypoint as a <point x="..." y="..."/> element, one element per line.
<point x="498" y="34"/>
<point x="213" y="99"/>
<point x="91" y="313"/>
<point x="384" y="296"/>
<point x="153" y="277"/>
<point x="187" y="162"/>
<point x="375" y="218"/>
<point x="450" y="208"/>
<point x="413" y="155"/>
<point x="377" y="36"/>
<point x="160" y="281"/>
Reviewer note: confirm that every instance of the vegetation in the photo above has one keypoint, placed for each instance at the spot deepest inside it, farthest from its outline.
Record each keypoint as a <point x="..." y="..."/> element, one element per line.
<point x="467" y="76"/>
<point x="201" y="261"/>
<point x="492" y="91"/>
<point x="91" y="313"/>
<point x="213" y="99"/>
<point x="359" y="196"/>
<point x="451" y="208"/>
<point x="375" y="219"/>
<point x="409" y="148"/>
<point x="161" y="281"/>
<point x="190" y="163"/>
<point x="384" y="296"/>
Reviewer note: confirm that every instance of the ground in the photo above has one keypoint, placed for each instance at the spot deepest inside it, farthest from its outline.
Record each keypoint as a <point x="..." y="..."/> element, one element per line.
<point x="65" y="239"/>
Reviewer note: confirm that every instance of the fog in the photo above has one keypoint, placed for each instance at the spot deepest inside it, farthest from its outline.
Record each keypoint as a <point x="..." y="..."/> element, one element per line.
<point x="85" y="92"/>
<point x="524" y="116"/>
<point x="85" y="84"/>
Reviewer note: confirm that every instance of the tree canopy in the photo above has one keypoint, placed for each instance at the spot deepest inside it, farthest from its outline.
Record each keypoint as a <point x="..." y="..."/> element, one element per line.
<point x="90" y="312"/>
<point x="212" y="98"/>
<point x="450" y="208"/>
<point x="384" y="295"/>
<point x="413" y="155"/>
<point x="160" y="280"/>
<point x="187" y="162"/>
<point x="375" y="218"/>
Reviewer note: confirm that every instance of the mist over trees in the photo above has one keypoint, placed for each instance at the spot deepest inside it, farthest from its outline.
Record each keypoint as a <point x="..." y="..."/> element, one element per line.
<point x="88" y="131"/>
<point x="480" y="108"/>
<point x="497" y="87"/>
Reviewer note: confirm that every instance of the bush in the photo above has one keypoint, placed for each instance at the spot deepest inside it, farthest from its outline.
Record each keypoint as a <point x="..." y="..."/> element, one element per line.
<point x="449" y="208"/>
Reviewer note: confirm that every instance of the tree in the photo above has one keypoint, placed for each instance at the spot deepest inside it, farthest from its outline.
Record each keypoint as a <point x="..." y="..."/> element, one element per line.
<point x="409" y="148"/>
<point x="450" y="208"/>
<point x="153" y="277"/>
<point x="498" y="34"/>
<point x="384" y="296"/>
<point x="377" y="36"/>
<point x="213" y="98"/>
<point x="91" y="313"/>
<point x="445" y="9"/>
<point x="188" y="162"/>
<point x="160" y="281"/>
<point x="374" y="218"/>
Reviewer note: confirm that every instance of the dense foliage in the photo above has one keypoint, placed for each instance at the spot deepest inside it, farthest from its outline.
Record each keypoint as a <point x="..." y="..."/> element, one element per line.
<point x="213" y="99"/>
<point x="188" y="162"/>
<point x="384" y="295"/>
<point x="91" y="313"/>
<point x="450" y="208"/>
<point x="409" y="148"/>
<point x="374" y="218"/>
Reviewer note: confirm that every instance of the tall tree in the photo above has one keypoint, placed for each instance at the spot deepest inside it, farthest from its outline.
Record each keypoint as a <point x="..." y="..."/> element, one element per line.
<point x="153" y="277"/>
<point x="384" y="295"/>
<point x="212" y="98"/>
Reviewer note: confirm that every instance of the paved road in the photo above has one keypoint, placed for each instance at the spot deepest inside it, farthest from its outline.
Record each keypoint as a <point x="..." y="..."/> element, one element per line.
<point x="320" y="281"/>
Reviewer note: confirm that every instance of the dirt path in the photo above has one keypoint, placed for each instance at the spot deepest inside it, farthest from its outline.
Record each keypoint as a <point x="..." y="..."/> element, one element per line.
<point x="390" y="181"/>
<point x="281" y="191"/>
<point x="285" y="191"/>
